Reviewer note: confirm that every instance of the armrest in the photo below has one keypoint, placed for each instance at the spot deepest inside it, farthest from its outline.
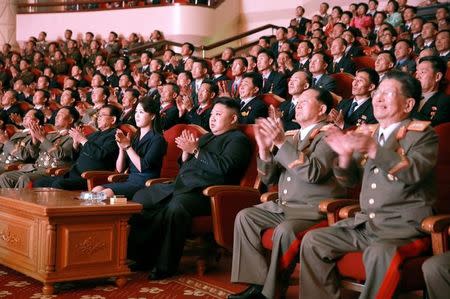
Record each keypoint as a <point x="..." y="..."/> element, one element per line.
<point x="118" y="178"/>
<point x="269" y="196"/>
<point x="152" y="182"/>
<point x="439" y="228"/>
<point x="348" y="211"/>
<point x="13" y="166"/>
<point x="96" y="177"/>
<point x="332" y="206"/>
<point x="226" y="202"/>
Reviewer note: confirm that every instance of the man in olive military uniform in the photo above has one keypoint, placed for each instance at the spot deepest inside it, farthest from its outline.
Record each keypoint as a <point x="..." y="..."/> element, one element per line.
<point x="396" y="164"/>
<point x="300" y="161"/>
<point x="18" y="148"/>
<point x="54" y="149"/>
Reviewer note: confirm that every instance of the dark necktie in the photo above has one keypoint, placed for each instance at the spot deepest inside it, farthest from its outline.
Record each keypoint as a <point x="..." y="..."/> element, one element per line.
<point x="242" y="104"/>
<point x="314" y="81"/>
<point x="291" y="108"/>
<point x="381" y="139"/>
<point x="264" y="82"/>
<point x="352" y="109"/>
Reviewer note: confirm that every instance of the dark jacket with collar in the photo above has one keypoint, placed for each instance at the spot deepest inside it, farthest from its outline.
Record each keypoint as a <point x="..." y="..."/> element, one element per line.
<point x="252" y="110"/>
<point x="276" y="83"/>
<point x="436" y="109"/>
<point x="362" y="115"/>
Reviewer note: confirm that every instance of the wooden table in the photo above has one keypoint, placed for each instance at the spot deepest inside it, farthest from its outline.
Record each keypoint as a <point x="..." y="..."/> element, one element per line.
<point x="51" y="236"/>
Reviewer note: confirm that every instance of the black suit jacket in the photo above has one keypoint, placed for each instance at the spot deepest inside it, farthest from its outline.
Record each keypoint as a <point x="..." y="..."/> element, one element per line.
<point x="128" y="118"/>
<point x="436" y="109"/>
<point x="354" y="51"/>
<point x="362" y="115"/>
<point x="408" y="65"/>
<point x="199" y="117"/>
<point x="4" y="114"/>
<point x="276" y="83"/>
<point x="274" y="48"/>
<point x="303" y="66"/>
<point x="345" y="65"/>
<point x="327" y="82"/>
<point x="98" y="153"/>
<point x="169" y="117"/>
<point x="254" y="109"/>
<point x="222" y="77"/>
<point x="221" y="160"/>
<point x="288" y="115"/>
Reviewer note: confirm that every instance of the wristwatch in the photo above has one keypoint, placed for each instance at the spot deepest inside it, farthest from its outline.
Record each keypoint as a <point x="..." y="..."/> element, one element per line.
<point x="195" y="152"/>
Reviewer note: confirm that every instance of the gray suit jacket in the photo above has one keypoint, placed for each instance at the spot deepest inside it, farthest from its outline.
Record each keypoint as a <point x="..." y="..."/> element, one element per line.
<point x="303" y="170"/>
<point x="398" y="186"/>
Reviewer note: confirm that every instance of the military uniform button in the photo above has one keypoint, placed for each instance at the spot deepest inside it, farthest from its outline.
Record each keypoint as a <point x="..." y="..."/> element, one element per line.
<point x="390" y="177"/>
<point x="371" y="201"/>
<point x="288" y="179"/>
<point x="372" y="215"/>
<point x="373" y="186"/>
<point x="376" y="171"/>
<point x="285" y="191"/>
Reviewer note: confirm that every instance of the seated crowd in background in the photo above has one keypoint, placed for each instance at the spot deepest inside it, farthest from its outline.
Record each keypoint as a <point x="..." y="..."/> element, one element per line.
<point x="51" y="91"/>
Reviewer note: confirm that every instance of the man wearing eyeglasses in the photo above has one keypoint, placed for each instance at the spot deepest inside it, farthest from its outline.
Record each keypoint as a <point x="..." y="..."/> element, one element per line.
<point x="395" y="161"/>
<point x="96" y="152"/>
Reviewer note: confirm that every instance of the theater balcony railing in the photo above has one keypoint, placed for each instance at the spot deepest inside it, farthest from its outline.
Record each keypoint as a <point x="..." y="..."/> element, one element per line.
<point x="47" y="6"/>
<point x="242" y="39"/>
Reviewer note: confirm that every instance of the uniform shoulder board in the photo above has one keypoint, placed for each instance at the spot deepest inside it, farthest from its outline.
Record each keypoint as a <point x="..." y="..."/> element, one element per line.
<point x="418" y="125"/>
<point x="314" y="133"/>
<point x="326" y="127"/>
<point x="365" y="127"/>
<point x="291" y="132"/>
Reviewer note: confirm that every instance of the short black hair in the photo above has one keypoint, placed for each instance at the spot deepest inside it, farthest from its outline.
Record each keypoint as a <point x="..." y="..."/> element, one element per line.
<point x="325" y="97"/>
<point x="437" y="63"/>
<point x="229" y="103"/>
<point x="175" y="88"/>
<point x="213" y="86"/>
<point x="243" y="59"/>
<point x="256" y="79"/>
<point x="190" y="46"/>
<point x="390" y="54"/>
<point x="269" y="53"/>
<point x="39" y="115"/>
<point x="113" y="111"/>
<point x="374" y="78"/>
<point x="73" y="113"/>
<point x="133" y="91"/>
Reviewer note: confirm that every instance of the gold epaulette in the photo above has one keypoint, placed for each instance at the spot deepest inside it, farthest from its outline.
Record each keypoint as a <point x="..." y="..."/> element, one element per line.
<point x="291" y="132"/>
<point x="418" y="125"/>
<point x="326" y="127"/>
<point x="314" y="133"/>
<point x="371" y="128"/>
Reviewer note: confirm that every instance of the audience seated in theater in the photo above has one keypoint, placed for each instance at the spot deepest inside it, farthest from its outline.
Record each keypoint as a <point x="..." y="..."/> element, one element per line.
<point x="358" y="110"/>
<point x="142" y="153"/>
<point x="158" y="234"/>
<point x="154" y="82"/>
<point x="409" y="13"/>
<point x="251" y="105"/>
<point x="184" y="80"/>
<point x="238" y="69"/>
<point x="168" y="108"/>
<point x="10" y="107"/>
<point x="251" y="63"/>
<point x="40" y="101"/>
<point x="199" y="73"/>
<point x="403" y="51"/>
<point x="38" y="61"/>
<point x="129" y="102"/>
<point x="95" y="152"/>
<point x="77" y="73"/>
<point x="125" y="82"/>
<point x="156" y="65"/>
<point x="442" y="18"/>
<point x="429" y="31"/>
<point x="200" y="114"/>
<point x="187" y="50"/>
<point x="443" y="44"/>
<point x="352" y="49"/>
<point x="18" y="148"/>
<point x="228" y="55"/>
<point x="281" y="38"/>
<point x="394" y="17"/>
<point x="285" y="63"/>
<point x="304" y="51"/>
<point x="384" y="63"/>
<point x="434" y="105"/>
<point x="99" y="99"/>
<point x="219" y="69"/>
<point x="318" y="67"/>
<point x="387" y="39"/>
<point x="300" y="21"/>
<point x="54" y="149"/>
<point x="98" y="80"/>
<point x="273" y="82"/>
<point x="394" y="199"/>
<point x="167" y="57"/>
<point x="145" y="59"/>
<point x="298" y="83"/>
<point x="341" y="63"/>
<point x="302" y="185"/>
<point x="25" y="74"/>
